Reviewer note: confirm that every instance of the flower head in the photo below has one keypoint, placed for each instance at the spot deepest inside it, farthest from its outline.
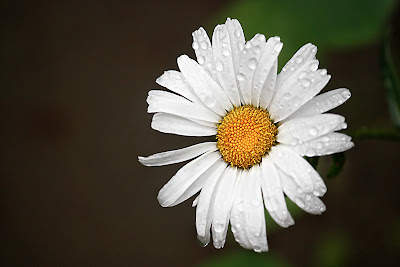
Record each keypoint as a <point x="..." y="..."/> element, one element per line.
<point x="264" y="123"/>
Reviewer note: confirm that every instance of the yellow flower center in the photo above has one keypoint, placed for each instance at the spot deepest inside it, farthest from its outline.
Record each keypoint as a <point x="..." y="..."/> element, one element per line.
<point x="245" y="135"/>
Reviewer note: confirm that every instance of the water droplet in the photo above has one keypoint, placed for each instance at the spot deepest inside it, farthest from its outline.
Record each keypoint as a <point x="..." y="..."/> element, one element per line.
<point x="314" y="66"/>
<point x="308" y="197"/>
<point x="320" y="145"/>
<point x="240" y="46"/>
<point x="291" y="68"/>
<point x="305" y="82"/>
<point x="257" y="49"/>
<point x="241" y="77"/>
<point x="252" y="63"/>
<point x="224" y="44"/>
<point x="219" y="66"/>
<point x="201" y="60"/>
<point x="226" y="52"/>
<point x="323" y="72"/>
<point x="314" y="49"/>
<point x="238" y="33"/>
<point x="325" y="139"/>
<point x="248" y="45"/>
<point x="209" y="65"/>
<point x="286" y="96"/>
<point x="344" y="125"/>
<point x="300" y="202"/>
<point x="316" y="193"/>
<point x="209" y="101"/>
<point x="346" y="94"/>
<point x="311" y="152"/>
<point x="299" y="59"/>
<point x="313" y="131"/>
<point x="204" y="45"/>
<point x="278" y="47"/>
<point x="237" y="226"/>
<point x="195" y="45"/>
<point x="257" y="249"/>
<point x="284" y="69"/>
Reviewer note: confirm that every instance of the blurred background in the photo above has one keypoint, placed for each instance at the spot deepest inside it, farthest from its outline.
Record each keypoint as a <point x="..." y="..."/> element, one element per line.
<point x="74" y="82"/>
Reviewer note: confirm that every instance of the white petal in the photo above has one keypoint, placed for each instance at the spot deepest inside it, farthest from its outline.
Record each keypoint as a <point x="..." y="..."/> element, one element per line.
<point x="303" y="129"/>
<point x="204" y="206"/>
<point x="224" y="67"/>
<point x="161" y="101"/>
<point x="303" y="56"/>
<point x="179" y="155"/>
<point x="185" y="177"/>
<point x="237" y="218"/>
<point x="237" y="40"/>
<point x="202" y="47"/>
<point x="174" y="81"/>
<point x="324" y="145"/>
<point x="306" y="201"/>
<point x="222" y="206"/>
<point x="199" y="182"/>
<point x="248" y="63"/>
<point x="322" y="103"/>
<point x="195" y="201"/>
<point x="168" y="123"/>
<point x="267" y="92"/>
<point x="273" y="194"/>
<point x="303" y="85"/>
<point x="294" y="165"/>
<point x="254" y="211"/>
<point x="208" y="90"/>
<point x="265" y="73"/>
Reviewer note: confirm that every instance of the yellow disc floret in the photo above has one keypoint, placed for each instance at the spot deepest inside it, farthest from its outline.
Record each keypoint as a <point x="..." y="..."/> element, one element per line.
<point x="245" y="135"/>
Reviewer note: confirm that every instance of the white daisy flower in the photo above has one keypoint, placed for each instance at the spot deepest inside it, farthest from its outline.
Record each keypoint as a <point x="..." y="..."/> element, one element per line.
<point x="264" y="124"/>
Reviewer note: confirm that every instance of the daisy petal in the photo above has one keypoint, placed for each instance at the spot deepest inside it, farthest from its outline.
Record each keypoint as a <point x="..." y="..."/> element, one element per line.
<point x="265" y="73"/>
<point x="274" y="199"/>
<point x="267" y="92"/>
<point x="306" y="201"/>
<point x="208" y="90"/>
<point x="168" y="123"/>
<point x="248" y="64"/>
<point x="185" y="177"/>
<point x="299" y="88"/>
<point x="322" y="103"/>
<point x="237" y="41"/>
<point x="324" y="145"/>
<point x="222" y="206"/>
<point x="179" y="155"/>
<point x="199" y="182"/>
<point x="237" y="218"/>
<point x="203" y="50"/>
<point x="204" y="205"/>
<point x="303" y="56"/>
<point x="294" y="165"/>
<point x="224" y="63"/>
<point x="174" y="81"/>
<point x="161" y="101"/>
<point x="254" y="211"/>
<point x="303" y="129"/>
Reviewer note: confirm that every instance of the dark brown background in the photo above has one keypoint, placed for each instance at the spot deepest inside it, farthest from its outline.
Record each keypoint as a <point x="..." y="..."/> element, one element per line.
<point x="75" y="78"/>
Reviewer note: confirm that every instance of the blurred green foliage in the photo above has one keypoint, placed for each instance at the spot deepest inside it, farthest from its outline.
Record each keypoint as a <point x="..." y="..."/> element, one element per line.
<point x="333" y="250"/>
<point x="328" y="24"/>
<point x="244" y="258"/>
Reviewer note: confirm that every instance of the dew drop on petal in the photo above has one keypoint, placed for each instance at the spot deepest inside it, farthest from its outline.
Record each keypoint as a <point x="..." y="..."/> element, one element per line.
<point x="219" y="66"/>
<point x="323" y="72"/>
<point x="201" y="60"/>
<point x="204" y="45"/>
<point x="313" y="131"/>
<point x="226" y="52"/>
<point x="237" y="33"/>
<point x="305" y="82"/>
<point x="286" y="96"/>
<point x="314" y="66"/>
<point x="241" y="77"/>
<point x="346" y="94"/>
<point x="299" y="59"/>
<point x="195" y="45"/>
<point x="252" y="63"/>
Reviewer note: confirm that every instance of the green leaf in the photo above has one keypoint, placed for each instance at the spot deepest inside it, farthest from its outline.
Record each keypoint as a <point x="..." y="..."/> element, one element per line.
<point x="338" y="161"/>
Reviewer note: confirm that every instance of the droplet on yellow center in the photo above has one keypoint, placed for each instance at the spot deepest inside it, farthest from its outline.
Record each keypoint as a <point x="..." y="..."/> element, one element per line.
<point x="245" y="135"/>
